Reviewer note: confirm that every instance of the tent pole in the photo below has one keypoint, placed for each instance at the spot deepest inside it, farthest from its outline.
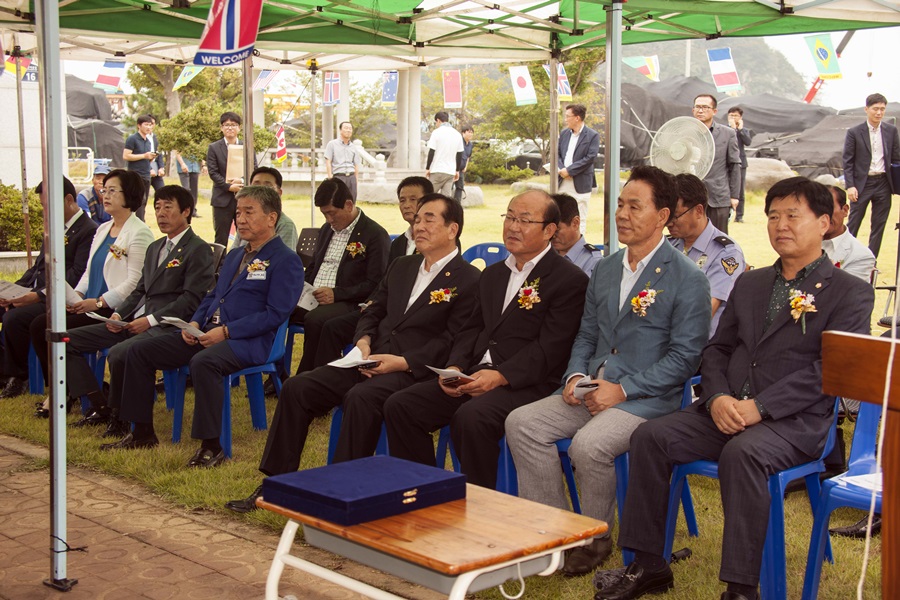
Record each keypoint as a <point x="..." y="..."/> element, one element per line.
<point x="611" y="158"/>
<point x="554" y="117"/>
<point x="249" y="151"/>
<point x="52" y="123"/>
<point x="17" y="52"/>
<point x="313" y="67"/>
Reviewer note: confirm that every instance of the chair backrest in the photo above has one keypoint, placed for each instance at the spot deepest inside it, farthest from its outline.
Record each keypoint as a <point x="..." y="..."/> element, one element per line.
<point x="306" y="244"/>
<point x="278" y="344"/>
<point x="832" y="431"/>
<point x="218" y="251"/>
<point x="687" y="396"/>
<point x="489" y="252"/>
<point x="865" y="438"/>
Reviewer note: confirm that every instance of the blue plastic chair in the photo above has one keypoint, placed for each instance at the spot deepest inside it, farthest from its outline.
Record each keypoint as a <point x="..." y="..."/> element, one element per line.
<point x="838" y="492"/>
<point x="489" y="252"/>
<point x="255" y="393"/>
<point x="289" y="346"/>
<point x="35" y="374"/>
<point x="507" y="479"/>
<point x="337" y="417"/>
<point x="773" y="573"/>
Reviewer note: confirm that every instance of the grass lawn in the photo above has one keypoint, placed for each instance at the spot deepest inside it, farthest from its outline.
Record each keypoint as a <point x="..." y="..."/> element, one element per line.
<point x="164" y="473"/>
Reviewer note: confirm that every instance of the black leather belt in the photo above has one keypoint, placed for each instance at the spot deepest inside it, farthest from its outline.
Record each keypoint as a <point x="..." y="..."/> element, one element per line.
<point x="876" y="175"/>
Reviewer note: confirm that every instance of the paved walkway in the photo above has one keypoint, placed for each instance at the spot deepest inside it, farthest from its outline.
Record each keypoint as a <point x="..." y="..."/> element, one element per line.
<point x="139" y="546"/>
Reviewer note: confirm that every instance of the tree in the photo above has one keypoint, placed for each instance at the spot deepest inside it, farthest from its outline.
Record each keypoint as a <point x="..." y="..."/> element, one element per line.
<point x="155" y="94"/>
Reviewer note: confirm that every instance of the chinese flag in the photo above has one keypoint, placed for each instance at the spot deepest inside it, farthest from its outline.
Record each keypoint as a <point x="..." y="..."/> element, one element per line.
<point x="452" y="89"/>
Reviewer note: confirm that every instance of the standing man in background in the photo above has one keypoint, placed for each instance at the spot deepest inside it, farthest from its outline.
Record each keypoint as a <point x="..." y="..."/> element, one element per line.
<point x="467" y="133"/>
<point x="140" y="154"/>
<point x="445" y="155"/>
<point x="724" y="178"/>
<point x="157" y="165"/>
<point x="342" y="160"/>
<point x="869" y="150"/>
<point x="222" y="199"/>
<point x="744" y="137"/>
<point x="579" y="146"/>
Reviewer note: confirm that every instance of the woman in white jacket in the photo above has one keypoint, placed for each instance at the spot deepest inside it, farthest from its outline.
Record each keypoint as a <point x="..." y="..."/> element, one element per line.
<point x="115" y="264"/>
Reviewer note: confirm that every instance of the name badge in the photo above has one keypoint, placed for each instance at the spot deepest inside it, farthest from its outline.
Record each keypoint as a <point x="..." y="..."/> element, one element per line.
<point x="261" y="275"/>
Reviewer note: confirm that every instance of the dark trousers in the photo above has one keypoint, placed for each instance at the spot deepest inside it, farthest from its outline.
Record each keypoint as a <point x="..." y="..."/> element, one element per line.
<point x="190" y="181"/>
<point x="719" y="217"/>
<point x="91" y="338"/>
<point x="38" y="333"/>
<point x="313" y="323"/>
<point x="459" y="187"/>
<point x="878" y="192"/>
<point x="745" y="462"/>
<point x="739" y="215"/>
<point x="476" y="425"/>
<point x="350" y="180"/>
<point x="169" y="351"/>
<point x="142" y="210"/>
<point x="336" y="334"/>
<point x="17" y="336"/>
<point x="223" y="218"/>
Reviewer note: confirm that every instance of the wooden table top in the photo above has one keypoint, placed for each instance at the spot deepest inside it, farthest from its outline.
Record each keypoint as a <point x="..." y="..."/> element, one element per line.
<point x="484" y="529"/>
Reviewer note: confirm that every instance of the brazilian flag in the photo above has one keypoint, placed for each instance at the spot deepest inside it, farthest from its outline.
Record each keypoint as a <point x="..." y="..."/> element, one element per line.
<point x="824" y="56"/>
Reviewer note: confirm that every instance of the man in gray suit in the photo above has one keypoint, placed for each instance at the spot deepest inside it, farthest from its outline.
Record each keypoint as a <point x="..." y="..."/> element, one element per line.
<point x="645" y="321"/>
<point x="724" y="178"/>
<point x="761" y="409"/>
<point x="869" y="150"/>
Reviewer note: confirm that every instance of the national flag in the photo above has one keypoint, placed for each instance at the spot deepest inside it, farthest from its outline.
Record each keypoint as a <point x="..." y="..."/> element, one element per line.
<point x="187" y="73"/>
<point x="24" y="63"/>
<point x="645" y="65"/>
<point x="281" y="146"/>
<point x="332" y="92"/>
<point x="110" y="75"/>
<point x="264" y="79"/>
<point x="452" y="89"/>
<point x="230" y="32"/>
<point x="563" y="89"/>
<point x="523" y="88"/>
<point x="724" y="73"/>
<point x="824" y="56"/>
<point x="389" y="89"/>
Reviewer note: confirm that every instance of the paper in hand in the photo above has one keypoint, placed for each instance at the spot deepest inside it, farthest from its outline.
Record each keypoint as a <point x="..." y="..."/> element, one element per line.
<point x="307" y="300"/>
<point x="350" y="360"/>
<point x="451" y="374"/>
<point x="180" y="324"/>
<point x="97" y="317"/>
<point x="11" y="291"/>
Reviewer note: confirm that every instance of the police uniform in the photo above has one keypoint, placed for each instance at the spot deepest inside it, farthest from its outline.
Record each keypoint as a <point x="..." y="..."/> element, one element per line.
<point x="721" y="259"/>
<point x="584" y="255"/>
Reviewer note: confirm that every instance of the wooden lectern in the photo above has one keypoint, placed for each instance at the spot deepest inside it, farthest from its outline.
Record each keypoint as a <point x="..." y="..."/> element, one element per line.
<point x="854" y="366"/>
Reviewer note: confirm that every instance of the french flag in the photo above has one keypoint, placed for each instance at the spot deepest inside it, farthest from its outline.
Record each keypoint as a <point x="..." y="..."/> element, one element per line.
<point x="230" y="32"/>
<point x="724" y="72"/>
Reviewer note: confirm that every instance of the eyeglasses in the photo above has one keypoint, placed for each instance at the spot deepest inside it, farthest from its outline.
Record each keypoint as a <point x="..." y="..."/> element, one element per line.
<point x="676" y="217"/>
<point x="109" y="191"/>
<point x="702" y="107"/>
<point x="524" y="222"/>
<point x="230" y="126"/>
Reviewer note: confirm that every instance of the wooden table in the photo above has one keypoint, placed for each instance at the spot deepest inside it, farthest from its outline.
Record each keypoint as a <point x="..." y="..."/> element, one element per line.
<point x="455" y="548"/>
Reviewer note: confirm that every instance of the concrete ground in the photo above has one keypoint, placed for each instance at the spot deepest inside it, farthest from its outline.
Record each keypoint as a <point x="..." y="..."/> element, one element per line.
<point x="139" y="546"/>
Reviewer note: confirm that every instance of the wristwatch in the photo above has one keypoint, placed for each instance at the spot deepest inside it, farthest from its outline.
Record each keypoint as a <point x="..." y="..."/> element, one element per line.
<point x="100" y="302"/>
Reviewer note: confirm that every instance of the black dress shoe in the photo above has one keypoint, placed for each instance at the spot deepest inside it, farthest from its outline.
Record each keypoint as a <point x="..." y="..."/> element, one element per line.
<point x="207" y="458"/>
<point x="14" y="387"/>
<point x="245" y="505"/>
<point x="735" y="596"/>
<point x="858" y="529"/>
<point x="584" y="559"/>
<point x="117" y="429"/>
<point x="130" y="443"/>
<point x="94" y="418"/>
<point x="636" y="582"/>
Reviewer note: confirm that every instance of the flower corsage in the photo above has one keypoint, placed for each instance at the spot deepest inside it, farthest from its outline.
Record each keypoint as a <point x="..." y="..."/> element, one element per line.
<point x="442" y="295"/>
<point x="355" y="248"/>
<point x="257" y="265"/>
<point x="802" y="303"/>
<point x="117" y="252"/>
<point x="173" y="263"/>
<point x="641" y="302"/>
<point x="528" y="294"/>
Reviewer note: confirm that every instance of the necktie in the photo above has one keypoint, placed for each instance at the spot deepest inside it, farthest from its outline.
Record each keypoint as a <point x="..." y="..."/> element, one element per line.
<point x="165" y="252"/>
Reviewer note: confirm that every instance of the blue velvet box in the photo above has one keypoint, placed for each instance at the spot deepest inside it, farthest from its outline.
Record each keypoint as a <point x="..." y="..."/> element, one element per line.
<point x="364" y="490"/>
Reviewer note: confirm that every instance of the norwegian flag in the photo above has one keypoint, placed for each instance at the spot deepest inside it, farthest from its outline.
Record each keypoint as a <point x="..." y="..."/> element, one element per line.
<point x="281" y="145"/>
<point x="264" y="79"/>
<point x="230" y="32"/>
<point x="332" y="93"/>
<point x="563" y="89"/>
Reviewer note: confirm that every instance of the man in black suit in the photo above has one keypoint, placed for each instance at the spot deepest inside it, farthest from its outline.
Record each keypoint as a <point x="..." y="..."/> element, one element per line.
<point x="19" y="313"/>
<point x="178" y="271"/>
<point x="761" y="409"/>
<point x="223" y="191"/>
<point x="744" y="139"/>
<point x="869" y="150"/>
<point x="515" y="347"/>
<point x="579" y="146"/>
<point x="350" y="258"/>
<point x="406" y="327"/>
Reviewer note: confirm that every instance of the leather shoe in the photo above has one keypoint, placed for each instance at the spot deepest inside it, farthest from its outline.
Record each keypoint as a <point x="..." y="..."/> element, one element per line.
<point x="129" y="442"/>
<point x="584" y="559"/>
<point x="858" y="529"/>
<point x="117" y="429"/>
<point x="735" y="596"/>
<point x="207" y="459"/>
<point x="94" y="418"/>
<point x="14" y="387"/>
<point x="636" y="582"/>
<point x="245" y="505"/>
